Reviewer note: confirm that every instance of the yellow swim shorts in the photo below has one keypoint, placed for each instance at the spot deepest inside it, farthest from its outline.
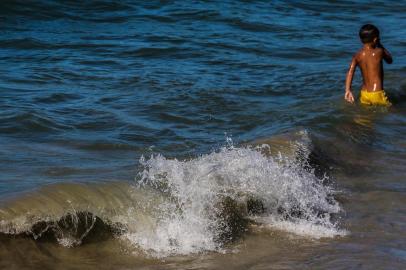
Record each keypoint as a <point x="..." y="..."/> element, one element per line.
<point x="374" y="98"/>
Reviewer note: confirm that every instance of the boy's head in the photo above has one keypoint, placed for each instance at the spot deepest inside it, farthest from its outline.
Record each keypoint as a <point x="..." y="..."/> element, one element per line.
<point x="368" y="33"/>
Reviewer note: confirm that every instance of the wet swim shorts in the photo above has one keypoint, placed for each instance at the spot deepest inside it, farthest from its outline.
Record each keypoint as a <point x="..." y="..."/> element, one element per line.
<point x="374" y="98"/>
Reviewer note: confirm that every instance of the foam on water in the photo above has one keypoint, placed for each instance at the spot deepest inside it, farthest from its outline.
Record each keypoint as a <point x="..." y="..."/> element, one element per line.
<point x="292" y="198"/>
<point x="181" y="207"/>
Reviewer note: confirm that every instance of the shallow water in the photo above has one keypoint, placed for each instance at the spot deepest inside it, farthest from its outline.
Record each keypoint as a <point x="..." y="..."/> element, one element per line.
<point x="87" y="89"/>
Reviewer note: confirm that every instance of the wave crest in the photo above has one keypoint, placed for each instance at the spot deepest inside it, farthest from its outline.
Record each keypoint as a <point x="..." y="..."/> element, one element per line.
<point x="186" y="206"/>
<point x="213" y="197"/>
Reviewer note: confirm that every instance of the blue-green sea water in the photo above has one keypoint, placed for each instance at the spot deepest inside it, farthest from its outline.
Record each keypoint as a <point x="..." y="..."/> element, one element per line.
<point x="124" y="125"/>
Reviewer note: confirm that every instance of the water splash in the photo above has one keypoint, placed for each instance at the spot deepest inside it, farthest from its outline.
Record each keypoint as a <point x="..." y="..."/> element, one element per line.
<point x="289" y="196"/>
<point x="185" y="206"/>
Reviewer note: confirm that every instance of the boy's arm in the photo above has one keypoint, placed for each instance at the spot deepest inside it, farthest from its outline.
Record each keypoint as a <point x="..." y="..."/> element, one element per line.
<point x="348" y="81"/>
<point x="386" y="54"/>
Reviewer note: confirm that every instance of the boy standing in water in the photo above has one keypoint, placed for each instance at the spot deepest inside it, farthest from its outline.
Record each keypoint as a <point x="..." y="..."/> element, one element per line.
<point x="369" y="59"/>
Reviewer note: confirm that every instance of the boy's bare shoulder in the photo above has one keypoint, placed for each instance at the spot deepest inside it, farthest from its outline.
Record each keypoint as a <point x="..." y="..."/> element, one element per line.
<point x="357" y="55"/>
<point x="379" y="50"/>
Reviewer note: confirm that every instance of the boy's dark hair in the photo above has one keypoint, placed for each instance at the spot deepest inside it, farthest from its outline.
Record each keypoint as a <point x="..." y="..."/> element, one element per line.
<point x="368" y="32"/>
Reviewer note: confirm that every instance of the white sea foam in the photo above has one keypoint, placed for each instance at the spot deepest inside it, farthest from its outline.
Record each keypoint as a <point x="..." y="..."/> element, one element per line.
<point x="294" y="200"/>
<point x="189" y="206"/>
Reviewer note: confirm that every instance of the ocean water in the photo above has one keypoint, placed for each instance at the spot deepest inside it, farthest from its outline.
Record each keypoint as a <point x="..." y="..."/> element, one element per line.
<point x="198" y="135"/>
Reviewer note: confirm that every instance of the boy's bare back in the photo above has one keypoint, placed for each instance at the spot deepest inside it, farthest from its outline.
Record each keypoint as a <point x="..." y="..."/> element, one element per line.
<point x="369" y="60"/>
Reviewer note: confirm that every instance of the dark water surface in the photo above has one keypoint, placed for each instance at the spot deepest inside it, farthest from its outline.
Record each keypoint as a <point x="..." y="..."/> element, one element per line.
<point x="88" y="88"/>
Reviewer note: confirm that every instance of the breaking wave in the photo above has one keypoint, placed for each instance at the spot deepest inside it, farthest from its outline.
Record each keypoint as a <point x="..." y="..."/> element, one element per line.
<point x="213" y="198"/>
<point x="185" y="206"/>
